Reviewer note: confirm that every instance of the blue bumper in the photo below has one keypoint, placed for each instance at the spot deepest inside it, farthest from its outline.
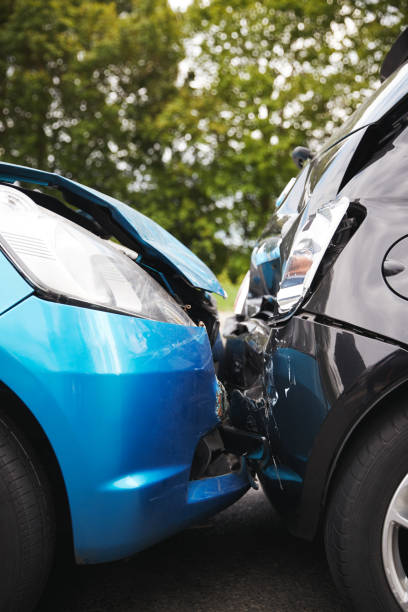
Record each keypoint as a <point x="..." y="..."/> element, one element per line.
<point x="123" y="402"/>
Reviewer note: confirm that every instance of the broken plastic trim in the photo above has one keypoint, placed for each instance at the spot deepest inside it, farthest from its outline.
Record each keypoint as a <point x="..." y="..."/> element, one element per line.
<point x="220" y="451"/>
<point x="242" y="442"/>
<point x="212" y="459"/>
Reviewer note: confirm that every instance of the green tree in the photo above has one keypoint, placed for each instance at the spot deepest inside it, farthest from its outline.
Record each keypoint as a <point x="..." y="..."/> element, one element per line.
<point x="98" y="90"/>
<point x="84" y="90"/>
<point x="267" y="76"/>
<point x="82" y="82"/>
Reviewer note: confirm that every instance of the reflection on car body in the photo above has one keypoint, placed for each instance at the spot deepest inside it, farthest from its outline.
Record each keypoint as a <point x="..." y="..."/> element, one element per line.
<point x="111" y="410"/>
<point x="317" y="354"/>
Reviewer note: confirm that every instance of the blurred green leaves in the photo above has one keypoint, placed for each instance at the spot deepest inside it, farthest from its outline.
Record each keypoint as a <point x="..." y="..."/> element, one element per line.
<point x="81" y="84"/>
<point x="190" y="117"/>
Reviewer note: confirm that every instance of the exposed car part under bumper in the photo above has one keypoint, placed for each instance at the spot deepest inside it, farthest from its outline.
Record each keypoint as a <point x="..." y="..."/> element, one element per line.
<point x="242" y="371"/>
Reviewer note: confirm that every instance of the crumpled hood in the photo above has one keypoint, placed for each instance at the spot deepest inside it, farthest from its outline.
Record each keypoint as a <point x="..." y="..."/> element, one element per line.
<point x="150" y="238"/>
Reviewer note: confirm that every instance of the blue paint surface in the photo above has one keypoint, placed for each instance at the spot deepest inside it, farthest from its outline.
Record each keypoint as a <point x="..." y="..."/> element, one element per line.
<point x="302" y="405"/>
<point x="123" y="402"/>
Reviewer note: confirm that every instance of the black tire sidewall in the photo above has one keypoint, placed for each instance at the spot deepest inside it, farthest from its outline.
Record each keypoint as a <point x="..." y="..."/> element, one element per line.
<point x="371" y="491"/>
<point x="10" y="543"/>
<point x="27" y="522"/>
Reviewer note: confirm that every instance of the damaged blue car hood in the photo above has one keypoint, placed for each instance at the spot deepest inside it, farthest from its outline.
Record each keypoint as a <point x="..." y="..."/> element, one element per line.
<point x="150" y="237"/>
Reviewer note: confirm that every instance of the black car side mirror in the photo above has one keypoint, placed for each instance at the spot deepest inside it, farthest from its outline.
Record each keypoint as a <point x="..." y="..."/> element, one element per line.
<point x="300" y="155"/>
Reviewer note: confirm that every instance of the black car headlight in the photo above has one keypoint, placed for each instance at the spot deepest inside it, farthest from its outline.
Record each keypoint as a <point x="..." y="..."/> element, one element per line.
<point x="310" y="243"/>
<point x="65" y="262"/>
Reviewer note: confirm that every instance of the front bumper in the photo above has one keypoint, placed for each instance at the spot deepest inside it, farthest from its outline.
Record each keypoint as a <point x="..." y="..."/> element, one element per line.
<point x="123" y="402"/>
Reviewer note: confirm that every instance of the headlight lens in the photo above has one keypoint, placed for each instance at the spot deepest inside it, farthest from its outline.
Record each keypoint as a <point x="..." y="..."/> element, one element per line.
<point x="67" y="262"/>
<point x="308" y="248"/>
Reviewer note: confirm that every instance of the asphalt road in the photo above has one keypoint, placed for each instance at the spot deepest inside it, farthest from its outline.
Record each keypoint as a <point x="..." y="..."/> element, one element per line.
<point x="241" y="560"/>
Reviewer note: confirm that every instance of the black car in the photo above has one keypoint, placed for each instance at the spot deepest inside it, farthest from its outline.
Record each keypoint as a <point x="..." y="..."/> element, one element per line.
<point x="316" y="358"/>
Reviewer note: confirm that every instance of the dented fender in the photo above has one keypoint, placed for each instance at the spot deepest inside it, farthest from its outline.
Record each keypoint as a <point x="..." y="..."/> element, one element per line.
<point x="317" y="379"/>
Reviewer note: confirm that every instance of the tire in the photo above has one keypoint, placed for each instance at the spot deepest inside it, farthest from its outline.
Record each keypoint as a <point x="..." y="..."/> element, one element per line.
<point x="358" y="511"/>
<point x="27" y="525"/>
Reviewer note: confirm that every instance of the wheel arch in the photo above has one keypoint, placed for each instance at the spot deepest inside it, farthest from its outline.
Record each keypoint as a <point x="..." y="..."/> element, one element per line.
<point x="18" y="412"/>
<point x="309" y="519"/>
<point x="373" y="413"/>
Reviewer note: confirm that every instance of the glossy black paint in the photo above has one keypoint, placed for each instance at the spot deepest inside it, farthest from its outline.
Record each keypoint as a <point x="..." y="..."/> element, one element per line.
<point x="395" y="266"/>
<point x="326" y="379"/>
<point x="356" y="277"/>
<point x="309" y="381"/>
<point x="397" y="55"/>
<point x="316" y="382"/>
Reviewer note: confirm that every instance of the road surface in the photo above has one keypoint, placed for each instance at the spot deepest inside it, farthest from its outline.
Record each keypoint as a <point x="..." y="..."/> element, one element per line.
<point x="242" y="560"/>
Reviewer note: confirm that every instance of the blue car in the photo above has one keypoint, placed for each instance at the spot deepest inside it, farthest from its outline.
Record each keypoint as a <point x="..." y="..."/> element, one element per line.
<point x="112" y="420"/>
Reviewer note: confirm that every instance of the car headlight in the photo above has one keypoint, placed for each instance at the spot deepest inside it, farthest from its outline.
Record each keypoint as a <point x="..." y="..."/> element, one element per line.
<point x="65" y="262"/>
<point x="308" y="248"/>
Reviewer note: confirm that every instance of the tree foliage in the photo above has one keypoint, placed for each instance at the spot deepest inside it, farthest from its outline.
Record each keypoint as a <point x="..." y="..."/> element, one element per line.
<point x="274" y="74"/>
<point x="82" y="84"/>
<point x="191" y="117"/>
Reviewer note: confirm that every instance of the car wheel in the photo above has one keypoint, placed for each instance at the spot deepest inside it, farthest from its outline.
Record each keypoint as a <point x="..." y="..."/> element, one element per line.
<point x="27" y="526"/>
<point x="366" y="530"/>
